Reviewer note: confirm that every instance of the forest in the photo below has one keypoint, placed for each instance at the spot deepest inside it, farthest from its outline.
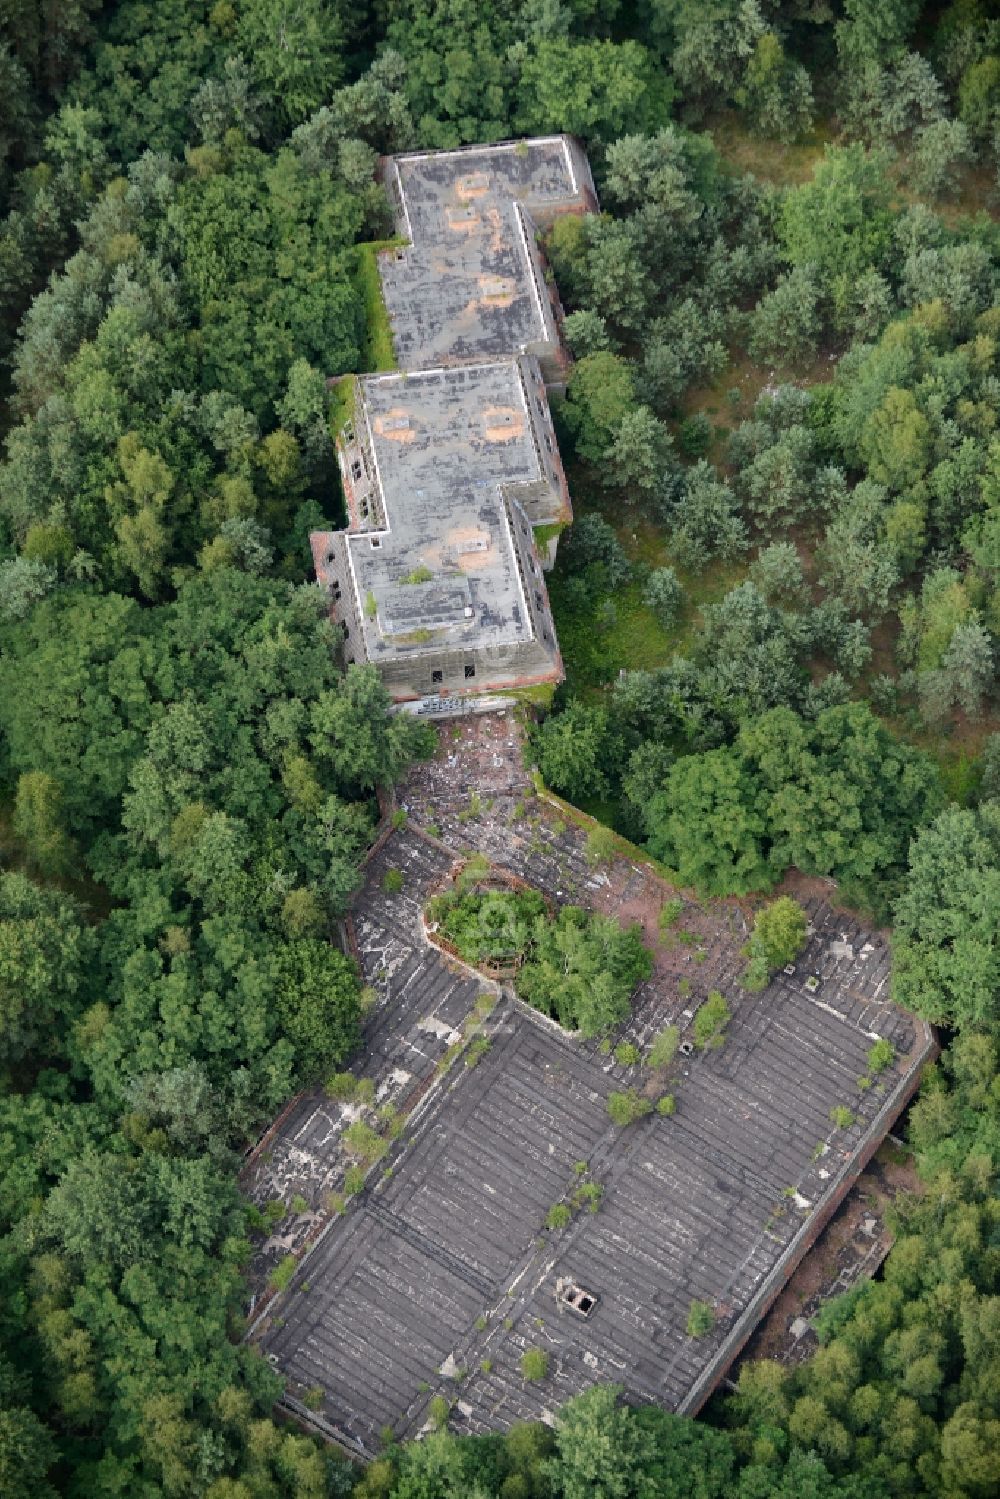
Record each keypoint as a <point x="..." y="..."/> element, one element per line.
<point x="778" y="605"/>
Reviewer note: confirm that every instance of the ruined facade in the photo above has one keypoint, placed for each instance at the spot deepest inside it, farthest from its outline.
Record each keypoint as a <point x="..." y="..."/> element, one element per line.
<point x="446" y="1269"/>
<point x="449" y="465"/>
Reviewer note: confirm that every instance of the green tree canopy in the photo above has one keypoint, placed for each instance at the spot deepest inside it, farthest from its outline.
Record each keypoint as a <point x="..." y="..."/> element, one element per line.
<point x="946" y="943"/>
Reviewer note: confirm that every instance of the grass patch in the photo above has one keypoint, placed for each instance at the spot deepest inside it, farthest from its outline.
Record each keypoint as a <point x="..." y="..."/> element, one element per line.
<point x="594" y="654"/>
<point x="771" y="160"/>
<point x="342" y="404"/>
<point x="601" y="809"/>
<point x="282" y="1273"/>
<point x="701" y="1319"/>
<point x="959" y="774"/>
<point x="377" y="351"/>
<point x="534" y="1364"/>
<point x="545" y="534"/>
<point x="538" y="696"/>
<point x="595" y="648"/>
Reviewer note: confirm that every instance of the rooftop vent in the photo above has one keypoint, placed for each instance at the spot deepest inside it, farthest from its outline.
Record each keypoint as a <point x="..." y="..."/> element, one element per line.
<point x="578" y="1300"/>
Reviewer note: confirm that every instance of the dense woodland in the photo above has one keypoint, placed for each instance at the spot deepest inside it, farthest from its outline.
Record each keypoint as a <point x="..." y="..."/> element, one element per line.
<point x="779" y="606"/>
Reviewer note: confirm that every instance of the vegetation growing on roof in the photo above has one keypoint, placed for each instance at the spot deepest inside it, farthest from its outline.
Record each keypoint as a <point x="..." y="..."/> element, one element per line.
<point x="377" y="348"/>
<point x="576" y="966"/>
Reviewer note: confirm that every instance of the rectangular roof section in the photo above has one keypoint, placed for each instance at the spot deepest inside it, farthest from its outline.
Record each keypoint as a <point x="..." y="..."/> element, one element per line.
<point x="443" y="570"/>
<point x="471" y="284"/>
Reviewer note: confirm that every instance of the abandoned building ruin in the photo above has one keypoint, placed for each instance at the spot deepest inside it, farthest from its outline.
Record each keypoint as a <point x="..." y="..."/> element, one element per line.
<point x="449" y="465"/>
<point x="471" y="284"/>
<point x="436" y="1273"/>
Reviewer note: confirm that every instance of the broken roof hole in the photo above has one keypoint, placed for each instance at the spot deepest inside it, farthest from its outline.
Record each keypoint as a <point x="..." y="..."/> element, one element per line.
<point x="578" y="1300"/>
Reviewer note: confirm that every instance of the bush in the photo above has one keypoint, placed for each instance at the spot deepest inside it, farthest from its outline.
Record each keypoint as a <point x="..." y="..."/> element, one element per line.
<point x="362" y="1141"/>
<point x="710" y="1022"/>
<point x="881" y="1056"/>
<point x="667" y="1105"/>
<point x="701" y="1319"/>
<point x="299" y="1204"/>
<point x="534" y="1363"/>
<point x="392" y="881"/>
<point x="558" y="1216"/>
<point x="578" y="967"/>
<point x="625" y="1108"/>
<point x="588" y="1196"/>
<point x="664" y="1047"/>
<point x="601" y="846"/>
<point x="354" y="1180"/>
<point x="670" y="914"/>
<point x="664" y="595"/>
<point x="627" y="1054"/>
<point x="842" y="1117"/>
<point x="313" y="1398"/>
<point x="779" y="935"/>
<point x="439" y="1411"/>
<point x="282" y="1273"/>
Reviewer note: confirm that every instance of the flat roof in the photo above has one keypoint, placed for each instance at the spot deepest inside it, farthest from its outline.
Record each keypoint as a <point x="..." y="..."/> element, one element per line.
<point x="466" y="286"/>
<point x="444" y="1263"/>
<point x="444" y="571"/>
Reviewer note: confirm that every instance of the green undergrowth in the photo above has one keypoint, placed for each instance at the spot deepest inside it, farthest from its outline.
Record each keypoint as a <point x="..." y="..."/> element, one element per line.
<point x="377" y="350"/>
<point x="341" y="405"/>
<point x="544" y="534"/>
<point x="620" y="632"/>
<point x="536" y="697"/>
<point x="96" y="900"/>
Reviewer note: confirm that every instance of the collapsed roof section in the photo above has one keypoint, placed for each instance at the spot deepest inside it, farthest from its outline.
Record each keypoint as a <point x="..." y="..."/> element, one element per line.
<point x="471" y="283"/>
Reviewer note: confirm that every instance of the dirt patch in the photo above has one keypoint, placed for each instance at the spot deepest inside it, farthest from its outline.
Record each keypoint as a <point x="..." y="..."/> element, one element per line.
<point x="395" y="426"/>
<point x="474" y="185"/>
<point x="462" y="221"/>
<point x="502" y="422"/>
<point x="497" y="291"/>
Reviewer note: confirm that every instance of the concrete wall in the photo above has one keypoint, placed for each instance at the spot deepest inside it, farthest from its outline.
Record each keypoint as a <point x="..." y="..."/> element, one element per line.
<point x="358" y="474"/>
<point x="495" y="667"/>
<point x="343" y="598"/>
